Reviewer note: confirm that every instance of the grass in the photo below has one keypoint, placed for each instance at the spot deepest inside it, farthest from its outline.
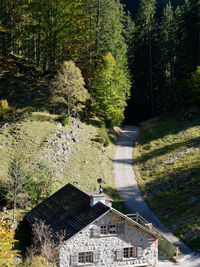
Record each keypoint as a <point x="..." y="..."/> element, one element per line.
<point x="167" y="165"/>
<point x="88" y="161"/>
<point x="24" y="139"/>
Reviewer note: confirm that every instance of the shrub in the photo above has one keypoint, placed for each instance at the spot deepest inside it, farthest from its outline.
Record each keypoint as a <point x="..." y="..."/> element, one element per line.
<point x="38" y="261"/>
<point x="44" y="245"/>
<point x="63" y="119"/>
<point x="103" y="137"/>
<point x="7" y="254"/>
<point x="166" y="249"/>
<point x="6" y="112"/>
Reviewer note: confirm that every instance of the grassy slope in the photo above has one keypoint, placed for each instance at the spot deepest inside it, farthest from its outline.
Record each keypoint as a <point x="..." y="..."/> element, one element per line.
<point x="88" y="160"/>
<point x="26" y="88"/>
<point x="167" y="163"/>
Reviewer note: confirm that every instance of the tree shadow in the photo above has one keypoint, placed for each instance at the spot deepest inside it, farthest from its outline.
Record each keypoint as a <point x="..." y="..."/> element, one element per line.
<point x="118" y="203"/>
<point x="172" y="123"/>
<point x="194" y="142"/>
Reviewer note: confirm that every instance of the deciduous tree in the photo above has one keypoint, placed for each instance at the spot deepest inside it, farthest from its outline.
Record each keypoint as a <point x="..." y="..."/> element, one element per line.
<point x="68" y="88"/>
<point x="110" y="87"/>
<point x="7" y="254"/>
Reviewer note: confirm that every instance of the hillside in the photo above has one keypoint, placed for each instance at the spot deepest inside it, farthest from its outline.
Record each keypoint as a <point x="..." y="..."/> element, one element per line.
<point x="65" y="154"/>
<point x="49" y="154"/>
<point x="167" y="163"/>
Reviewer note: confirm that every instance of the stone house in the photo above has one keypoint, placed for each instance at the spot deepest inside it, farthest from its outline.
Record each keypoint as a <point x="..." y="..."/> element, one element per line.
<point x="97" y="235"/>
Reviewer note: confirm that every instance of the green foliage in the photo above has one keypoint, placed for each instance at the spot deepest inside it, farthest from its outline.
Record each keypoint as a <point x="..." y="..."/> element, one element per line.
<point x="28" y="184"/>
<point x="6" y="112"/>
<point x="16" y="185"/>
<point x="63" y="119"/>
<point x="68" y="88"/>
<point x="40" y="181"/>
<point x="165" y="248"/>
<point x="110" y="86"/>
<point x="103" y="137"/>
<point x="194" y="87"/>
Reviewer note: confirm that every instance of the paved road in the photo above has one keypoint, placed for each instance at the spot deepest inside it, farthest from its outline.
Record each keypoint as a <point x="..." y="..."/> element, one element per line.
<point x="129" y="192"/>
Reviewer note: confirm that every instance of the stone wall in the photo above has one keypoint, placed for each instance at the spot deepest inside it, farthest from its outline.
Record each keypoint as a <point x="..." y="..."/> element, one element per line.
<point x="107" y="246"/>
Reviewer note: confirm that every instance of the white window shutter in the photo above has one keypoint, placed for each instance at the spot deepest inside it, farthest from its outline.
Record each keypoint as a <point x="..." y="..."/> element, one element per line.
<point x="96" y="256"/>
<point x="74" y="259"/>
<point x="120" y="254"/>
<point x="96" y="232"/>
<point x="121" y="228"/>
<point x="140" y="251"/>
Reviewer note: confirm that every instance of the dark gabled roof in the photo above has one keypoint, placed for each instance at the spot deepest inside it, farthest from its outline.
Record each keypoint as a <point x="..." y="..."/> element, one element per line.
<point x="68" y="209"/>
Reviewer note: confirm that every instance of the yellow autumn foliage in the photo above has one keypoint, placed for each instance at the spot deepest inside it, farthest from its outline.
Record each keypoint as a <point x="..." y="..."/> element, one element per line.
<point x="7" y="240"/>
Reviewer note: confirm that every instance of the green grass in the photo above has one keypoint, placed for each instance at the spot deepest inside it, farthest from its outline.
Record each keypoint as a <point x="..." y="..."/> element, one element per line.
<point x="172" y="188"/>
<point x="24" y="139"/>
<point x="88" y="161"/>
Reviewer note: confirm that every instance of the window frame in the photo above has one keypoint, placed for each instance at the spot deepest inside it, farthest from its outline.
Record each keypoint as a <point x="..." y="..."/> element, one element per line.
<point x="85" y="255"/>
<point x="107" y="229"/>
<point x="131" y="253"/>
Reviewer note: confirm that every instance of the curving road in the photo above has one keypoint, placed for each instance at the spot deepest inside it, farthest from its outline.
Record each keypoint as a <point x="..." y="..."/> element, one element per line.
<point x="127" y="187"/>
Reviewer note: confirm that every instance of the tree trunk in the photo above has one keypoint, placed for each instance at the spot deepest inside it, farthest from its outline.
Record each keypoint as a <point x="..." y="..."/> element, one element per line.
<point x="14" y="203"/>
<point x="198" y="57"/>
<point x="151" y="73"/>
<point x="98" y="26"/>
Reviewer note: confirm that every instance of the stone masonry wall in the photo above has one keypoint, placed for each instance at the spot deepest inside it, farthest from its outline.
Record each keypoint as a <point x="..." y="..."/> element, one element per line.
<point x="108" y="245"/>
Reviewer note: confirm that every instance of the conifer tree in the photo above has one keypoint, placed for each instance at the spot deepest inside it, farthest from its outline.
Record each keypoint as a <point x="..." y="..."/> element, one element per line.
<point x="168" y="40"/>
<point x="144" y="56"/>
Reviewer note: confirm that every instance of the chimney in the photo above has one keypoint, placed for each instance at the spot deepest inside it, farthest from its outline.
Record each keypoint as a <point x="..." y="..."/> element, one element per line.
<point x="96" y="198"/>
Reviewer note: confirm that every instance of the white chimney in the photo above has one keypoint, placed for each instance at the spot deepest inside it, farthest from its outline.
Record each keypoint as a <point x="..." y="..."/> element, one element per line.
<point x="96" y="198"/>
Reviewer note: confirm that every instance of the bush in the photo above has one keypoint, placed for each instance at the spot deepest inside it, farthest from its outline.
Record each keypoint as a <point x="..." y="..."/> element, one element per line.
<point x="103" y="137"/>
<point x="63" y="119"/>
<point x="38" y="261"/>
<point x="6" y="112"/>
<point x="166" y="249"/>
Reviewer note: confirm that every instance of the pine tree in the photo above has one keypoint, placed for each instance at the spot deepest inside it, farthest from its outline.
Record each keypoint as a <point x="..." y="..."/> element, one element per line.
<point x="168" y="40"/>
<point x="167" y="49"/>
<point x="144" y="56"/>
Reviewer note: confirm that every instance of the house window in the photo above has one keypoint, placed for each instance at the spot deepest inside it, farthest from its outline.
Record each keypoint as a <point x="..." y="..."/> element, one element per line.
<point x="112" y="229"/>
<point x="85" y="257"/>
<point x="108" y="229"/>
<point x="129" y="252"/>
<point x="103" y="229"/>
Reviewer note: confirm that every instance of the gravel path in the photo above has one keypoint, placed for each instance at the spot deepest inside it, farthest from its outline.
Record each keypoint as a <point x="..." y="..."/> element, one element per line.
<point x="127" y="186"/>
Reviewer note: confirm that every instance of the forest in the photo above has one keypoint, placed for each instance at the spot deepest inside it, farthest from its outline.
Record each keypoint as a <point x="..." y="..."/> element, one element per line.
<point x="153" y="52"/>
<point x="105" y="62"/>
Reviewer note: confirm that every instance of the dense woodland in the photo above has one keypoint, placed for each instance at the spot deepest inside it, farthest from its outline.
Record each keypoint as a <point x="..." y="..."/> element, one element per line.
<point x="157" y="48"/>
<point x="115" y="61"/>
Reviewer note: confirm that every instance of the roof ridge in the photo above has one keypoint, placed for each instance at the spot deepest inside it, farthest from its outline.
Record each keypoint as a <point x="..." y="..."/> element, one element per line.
<point x="78" y="189"/>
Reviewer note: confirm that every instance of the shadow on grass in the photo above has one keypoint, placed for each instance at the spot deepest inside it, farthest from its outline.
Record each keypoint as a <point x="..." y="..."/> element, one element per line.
<point x="169" y="123"/>
<point x="177" y="202"/>
<point x="167" y="149"/>
<point x="118" y="204"/>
